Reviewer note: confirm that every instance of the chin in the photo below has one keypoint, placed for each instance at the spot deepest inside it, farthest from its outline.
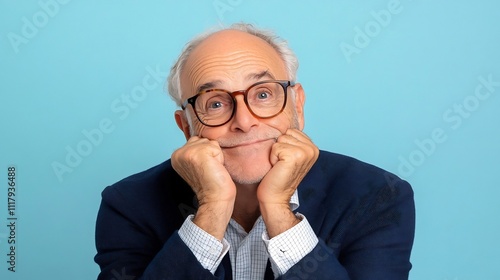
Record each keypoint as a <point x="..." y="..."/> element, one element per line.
<point x="246" y="180"/>
<point x="248" y="165"/>
<point x="247" y="172"/>
<point x="243" y="179"/>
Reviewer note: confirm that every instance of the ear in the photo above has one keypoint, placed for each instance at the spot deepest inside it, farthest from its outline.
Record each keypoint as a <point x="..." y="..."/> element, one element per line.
<point x="182" y="123"/>
<point x="300" y="99"/>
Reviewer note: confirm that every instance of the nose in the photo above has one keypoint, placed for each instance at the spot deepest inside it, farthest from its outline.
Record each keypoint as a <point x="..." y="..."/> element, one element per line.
<point x="243" y="120"/>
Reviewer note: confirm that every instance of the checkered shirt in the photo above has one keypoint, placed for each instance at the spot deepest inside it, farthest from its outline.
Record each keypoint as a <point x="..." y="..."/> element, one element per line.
<point x="249" y="252"/>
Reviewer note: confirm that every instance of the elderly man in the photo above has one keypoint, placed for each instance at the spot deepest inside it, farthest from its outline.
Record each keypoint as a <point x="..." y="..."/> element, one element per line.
<point x="265" y="202"/>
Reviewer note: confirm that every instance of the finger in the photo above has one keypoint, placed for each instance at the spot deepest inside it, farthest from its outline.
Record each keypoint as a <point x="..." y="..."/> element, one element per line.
<point x="295" y="139"/>
<point x="216" y="151"/>
<point x="301" y="139"/>
<point x="274" y="155"/>
<point x="193" y="139"/>
<point x="299" y="135"/>
<point x="197" y="141"/>
<point x="288" y="139"/>
<point x="290" y="148"/>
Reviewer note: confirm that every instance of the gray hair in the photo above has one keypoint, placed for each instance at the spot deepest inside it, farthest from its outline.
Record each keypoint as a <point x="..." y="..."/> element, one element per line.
<point x="279" y="44"/>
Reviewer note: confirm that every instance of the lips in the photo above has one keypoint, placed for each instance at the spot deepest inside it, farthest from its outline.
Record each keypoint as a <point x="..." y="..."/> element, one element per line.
<point x="247" y="143"/>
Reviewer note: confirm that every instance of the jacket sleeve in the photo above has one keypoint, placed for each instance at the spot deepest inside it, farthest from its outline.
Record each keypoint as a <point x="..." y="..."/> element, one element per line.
<point x="129" y="249"/>
<point x="376" y="246"/>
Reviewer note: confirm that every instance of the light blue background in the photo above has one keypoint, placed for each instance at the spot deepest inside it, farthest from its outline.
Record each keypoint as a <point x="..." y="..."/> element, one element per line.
<point x="396" y="90"/>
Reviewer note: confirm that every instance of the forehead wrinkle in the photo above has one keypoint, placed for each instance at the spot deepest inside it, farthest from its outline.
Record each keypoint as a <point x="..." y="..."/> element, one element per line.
<point x="197" y="72"/>
<point x="207" y="63"/>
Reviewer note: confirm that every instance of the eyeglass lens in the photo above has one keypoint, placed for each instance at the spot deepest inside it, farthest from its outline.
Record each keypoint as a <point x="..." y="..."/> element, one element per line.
<point x="216" y="106"/>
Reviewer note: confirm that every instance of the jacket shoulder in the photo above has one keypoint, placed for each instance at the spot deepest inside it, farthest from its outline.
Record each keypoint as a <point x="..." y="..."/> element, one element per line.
<point x="342" y="195"/>
<point x="156" y="194"/>
<point x="340" y="173"/>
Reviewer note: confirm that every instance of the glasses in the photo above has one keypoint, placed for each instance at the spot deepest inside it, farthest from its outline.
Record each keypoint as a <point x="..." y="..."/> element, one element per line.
<point x="216" y="107"/>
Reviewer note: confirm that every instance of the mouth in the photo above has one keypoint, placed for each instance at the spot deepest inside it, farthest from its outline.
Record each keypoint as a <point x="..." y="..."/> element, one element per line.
<point x="248" y="143"/>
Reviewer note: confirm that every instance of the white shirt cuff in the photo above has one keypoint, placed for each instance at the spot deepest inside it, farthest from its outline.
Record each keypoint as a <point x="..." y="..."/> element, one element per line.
<point x="207" y="249"/>
<point x="289" y="247"/>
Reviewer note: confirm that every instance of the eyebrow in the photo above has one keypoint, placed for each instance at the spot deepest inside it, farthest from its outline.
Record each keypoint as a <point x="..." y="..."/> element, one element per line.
<point x="260" y="75"/>
<point x="208" y="85"/>
<point x="251" y="76"/>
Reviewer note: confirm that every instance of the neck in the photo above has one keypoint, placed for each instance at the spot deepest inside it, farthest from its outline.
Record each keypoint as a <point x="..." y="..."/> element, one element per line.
<point x="246" y="206"/>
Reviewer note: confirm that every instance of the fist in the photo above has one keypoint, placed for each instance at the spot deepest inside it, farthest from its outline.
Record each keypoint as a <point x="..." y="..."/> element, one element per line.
<point x="292" y="156"/>
<point x="200" y="163"/>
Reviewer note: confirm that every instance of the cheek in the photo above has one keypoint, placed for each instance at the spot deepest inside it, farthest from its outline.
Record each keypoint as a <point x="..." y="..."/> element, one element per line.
<point x="211" y="133"/>
<point x="197" y="128"/>
<point x="293" y="119"/>
<point x="282" y="122"/>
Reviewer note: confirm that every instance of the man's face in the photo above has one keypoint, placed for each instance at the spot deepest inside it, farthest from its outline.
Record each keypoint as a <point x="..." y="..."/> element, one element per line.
<point x="235" y="60"/>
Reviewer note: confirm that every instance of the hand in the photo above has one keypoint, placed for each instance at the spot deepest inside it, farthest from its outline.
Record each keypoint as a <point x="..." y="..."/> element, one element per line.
<point x="200" y="163"/>
<point x="292" y="156"/>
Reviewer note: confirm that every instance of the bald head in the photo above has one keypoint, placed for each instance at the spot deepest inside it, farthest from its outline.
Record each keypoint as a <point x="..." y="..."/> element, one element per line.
<point x="227" y="40"/>
<point x="230" y="58"/>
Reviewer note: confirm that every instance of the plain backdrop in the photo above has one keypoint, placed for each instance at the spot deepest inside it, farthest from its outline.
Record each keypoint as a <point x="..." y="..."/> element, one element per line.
<point x="410" y="86"/>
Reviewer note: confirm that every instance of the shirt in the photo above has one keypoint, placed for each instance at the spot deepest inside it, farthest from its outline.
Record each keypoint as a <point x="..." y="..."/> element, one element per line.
<point x="249" y="252"/>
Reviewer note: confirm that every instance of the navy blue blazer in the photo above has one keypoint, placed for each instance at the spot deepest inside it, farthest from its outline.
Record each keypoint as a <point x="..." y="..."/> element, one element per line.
<point x="363" y="216"/>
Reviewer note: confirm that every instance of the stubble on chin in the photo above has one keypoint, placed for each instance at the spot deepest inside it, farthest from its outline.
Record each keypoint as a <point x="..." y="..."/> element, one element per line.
<point x="246" y="171"/>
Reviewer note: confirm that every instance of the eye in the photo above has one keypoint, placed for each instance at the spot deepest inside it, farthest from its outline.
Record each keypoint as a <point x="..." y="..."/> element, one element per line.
<point x="263" y="95"/>
<point x="216" y="102"/>
<point x="215" y="105"/>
